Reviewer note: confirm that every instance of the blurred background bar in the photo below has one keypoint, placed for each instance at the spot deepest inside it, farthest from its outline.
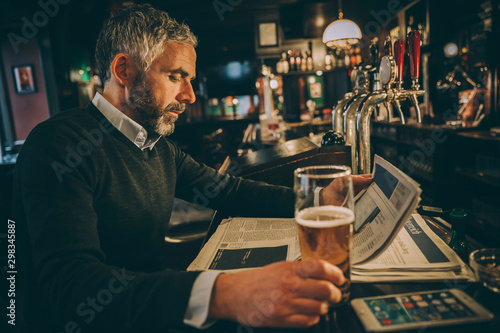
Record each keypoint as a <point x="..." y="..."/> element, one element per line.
<point x="266" y="77"/>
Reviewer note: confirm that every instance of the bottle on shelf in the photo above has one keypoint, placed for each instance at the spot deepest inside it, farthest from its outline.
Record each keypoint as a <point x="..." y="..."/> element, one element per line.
<point x="458" y="242"/>
<point x="347" y="59"/>
<point x="286" y="65"/>
<point x="279" y="67"/>
<point x="297" y="60"/>
<point x="388" y="46"/>
<point x="352" y="60"/>
<point x="410" y="24"/>
<point x="328" y="60"/>
<point x="359" y="58"/>
<point x="303" y="62"/>
<point x="327" y="113"/>
<point x="339" y="59"/>
<point x="282" y="66"/>
<point x="291" y="61"/>
<point x="309" y="61"/>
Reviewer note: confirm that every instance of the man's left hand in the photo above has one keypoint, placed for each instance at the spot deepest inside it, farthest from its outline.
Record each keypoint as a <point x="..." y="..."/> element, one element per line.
<point x="334" y="194"/>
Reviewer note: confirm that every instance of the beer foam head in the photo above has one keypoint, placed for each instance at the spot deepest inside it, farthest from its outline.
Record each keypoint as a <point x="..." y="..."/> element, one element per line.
<point x="324" y="216"/>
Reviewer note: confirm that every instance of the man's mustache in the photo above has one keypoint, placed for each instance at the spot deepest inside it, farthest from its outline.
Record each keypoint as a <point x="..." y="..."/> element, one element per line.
<point x="175" y="107"/>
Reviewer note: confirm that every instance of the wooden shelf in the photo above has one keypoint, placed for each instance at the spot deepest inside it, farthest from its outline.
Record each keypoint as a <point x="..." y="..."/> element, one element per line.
<point x="480" y="135"/>
<point x="314" y="123"/>
<point x="313" y="72"/>
<point x="473" y="174"/>
<point x="393" y="141"/>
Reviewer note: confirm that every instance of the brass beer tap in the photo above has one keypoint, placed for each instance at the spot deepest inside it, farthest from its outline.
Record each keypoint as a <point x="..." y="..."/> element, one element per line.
<point x="338" y="112"/>
<point x="351" y="115"/>
<point x="360" y="78"/>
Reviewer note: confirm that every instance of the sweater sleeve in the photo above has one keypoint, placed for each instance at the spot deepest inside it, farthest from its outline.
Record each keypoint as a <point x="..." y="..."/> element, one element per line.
<point x="54" y="187"/>
<point x="205" y="186"/>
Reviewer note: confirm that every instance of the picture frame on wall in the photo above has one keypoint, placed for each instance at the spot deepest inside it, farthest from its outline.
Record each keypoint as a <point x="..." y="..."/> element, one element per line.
<point x="268" y="34"/>
<point x="24" y="79"/>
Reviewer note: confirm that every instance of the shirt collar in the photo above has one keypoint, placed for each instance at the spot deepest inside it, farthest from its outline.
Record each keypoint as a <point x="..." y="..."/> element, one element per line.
<point x="131" y="129"/>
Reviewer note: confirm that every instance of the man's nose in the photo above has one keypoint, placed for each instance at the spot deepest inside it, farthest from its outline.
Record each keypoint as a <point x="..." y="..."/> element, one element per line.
<point x="186" y="95"/>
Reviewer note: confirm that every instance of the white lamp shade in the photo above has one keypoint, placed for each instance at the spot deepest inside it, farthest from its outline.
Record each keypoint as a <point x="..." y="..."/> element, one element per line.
<point x="341" y="33"/>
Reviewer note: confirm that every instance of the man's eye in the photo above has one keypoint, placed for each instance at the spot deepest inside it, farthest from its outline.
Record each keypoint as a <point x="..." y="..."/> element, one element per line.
<point x="174" y="78"/>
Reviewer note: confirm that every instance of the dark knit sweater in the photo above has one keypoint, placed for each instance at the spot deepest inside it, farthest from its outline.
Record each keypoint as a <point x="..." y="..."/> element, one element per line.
<point x="91" y="211"/>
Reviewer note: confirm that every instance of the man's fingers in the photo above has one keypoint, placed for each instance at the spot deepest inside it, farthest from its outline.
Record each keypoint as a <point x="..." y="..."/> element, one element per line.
<point x="321" y="270"/>
<point x="319" y="290"/>
<point x="292" y="294"/>
<point x="308" y="306"/>
<point x="364" y="177"/>
<point x="361" y="182"/>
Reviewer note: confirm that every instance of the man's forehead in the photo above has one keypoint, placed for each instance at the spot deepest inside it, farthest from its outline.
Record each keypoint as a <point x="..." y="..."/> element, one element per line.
<point x="177" y="51"/>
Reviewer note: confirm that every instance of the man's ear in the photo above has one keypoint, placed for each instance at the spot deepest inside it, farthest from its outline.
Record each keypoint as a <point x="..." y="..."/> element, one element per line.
<point x="123" y="69"/>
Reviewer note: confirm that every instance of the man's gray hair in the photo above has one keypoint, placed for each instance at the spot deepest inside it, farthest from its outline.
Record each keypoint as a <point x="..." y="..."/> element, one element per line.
<point x="140" y="31"/>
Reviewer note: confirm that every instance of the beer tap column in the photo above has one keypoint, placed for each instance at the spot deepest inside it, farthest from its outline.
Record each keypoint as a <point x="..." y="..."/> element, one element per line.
<point x="351" y="131"/>
<point x="363" y="120"/>
<point x="360" y="84"/>
<point x="360" y="80"/>
<point x="338" y="113"/>
<point x="370" y="104"/>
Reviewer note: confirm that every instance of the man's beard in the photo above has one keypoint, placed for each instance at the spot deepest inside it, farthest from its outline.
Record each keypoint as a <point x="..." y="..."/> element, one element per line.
<point x="153" y="118"/>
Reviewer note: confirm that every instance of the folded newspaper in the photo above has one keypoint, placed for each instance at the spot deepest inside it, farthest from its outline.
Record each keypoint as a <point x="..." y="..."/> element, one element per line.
<point x="390" y="244"/>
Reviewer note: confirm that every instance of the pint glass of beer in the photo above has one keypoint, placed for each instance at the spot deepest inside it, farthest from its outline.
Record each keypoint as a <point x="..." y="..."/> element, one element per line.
<point x="324" y="211"/>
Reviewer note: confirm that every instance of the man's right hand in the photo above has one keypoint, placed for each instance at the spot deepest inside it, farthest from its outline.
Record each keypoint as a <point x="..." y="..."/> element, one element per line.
<point x="283" y="294"/>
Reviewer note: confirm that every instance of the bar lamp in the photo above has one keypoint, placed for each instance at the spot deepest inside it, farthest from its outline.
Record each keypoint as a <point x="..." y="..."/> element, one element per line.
<point x="341" y="33"/>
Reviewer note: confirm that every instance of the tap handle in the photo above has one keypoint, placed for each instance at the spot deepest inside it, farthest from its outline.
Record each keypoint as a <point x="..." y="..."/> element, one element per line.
<point x="399" y="56"/>
<point x="388" y="46"/>
<point x="414" y="50"/>
<point x="374" y="50"/>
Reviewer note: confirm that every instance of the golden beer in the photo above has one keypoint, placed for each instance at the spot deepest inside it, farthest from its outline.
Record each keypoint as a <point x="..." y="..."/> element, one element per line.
<point x="325" y="232"/>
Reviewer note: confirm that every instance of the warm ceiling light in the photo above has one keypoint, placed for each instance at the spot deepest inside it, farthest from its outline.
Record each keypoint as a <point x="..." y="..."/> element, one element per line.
<point x="341" y="33"/>
<point x="320" y="21"/>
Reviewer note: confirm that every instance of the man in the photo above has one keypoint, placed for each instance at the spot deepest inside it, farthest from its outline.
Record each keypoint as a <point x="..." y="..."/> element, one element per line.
<point x="94" y="190"/>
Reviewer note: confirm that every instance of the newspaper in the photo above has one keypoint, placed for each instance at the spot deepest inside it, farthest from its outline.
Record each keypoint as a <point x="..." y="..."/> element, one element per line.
<point x="241" y="243"/>
<point x="390" y="244"/>
<point x="416" y="254"/>
<point x="382" y="210"/>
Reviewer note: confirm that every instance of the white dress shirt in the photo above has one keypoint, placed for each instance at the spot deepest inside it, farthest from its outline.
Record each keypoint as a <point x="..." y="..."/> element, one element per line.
<point x="197" y="311"/>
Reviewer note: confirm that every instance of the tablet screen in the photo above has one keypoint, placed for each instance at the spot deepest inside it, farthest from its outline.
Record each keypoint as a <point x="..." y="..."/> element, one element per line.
<point x="423" y="307"/>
